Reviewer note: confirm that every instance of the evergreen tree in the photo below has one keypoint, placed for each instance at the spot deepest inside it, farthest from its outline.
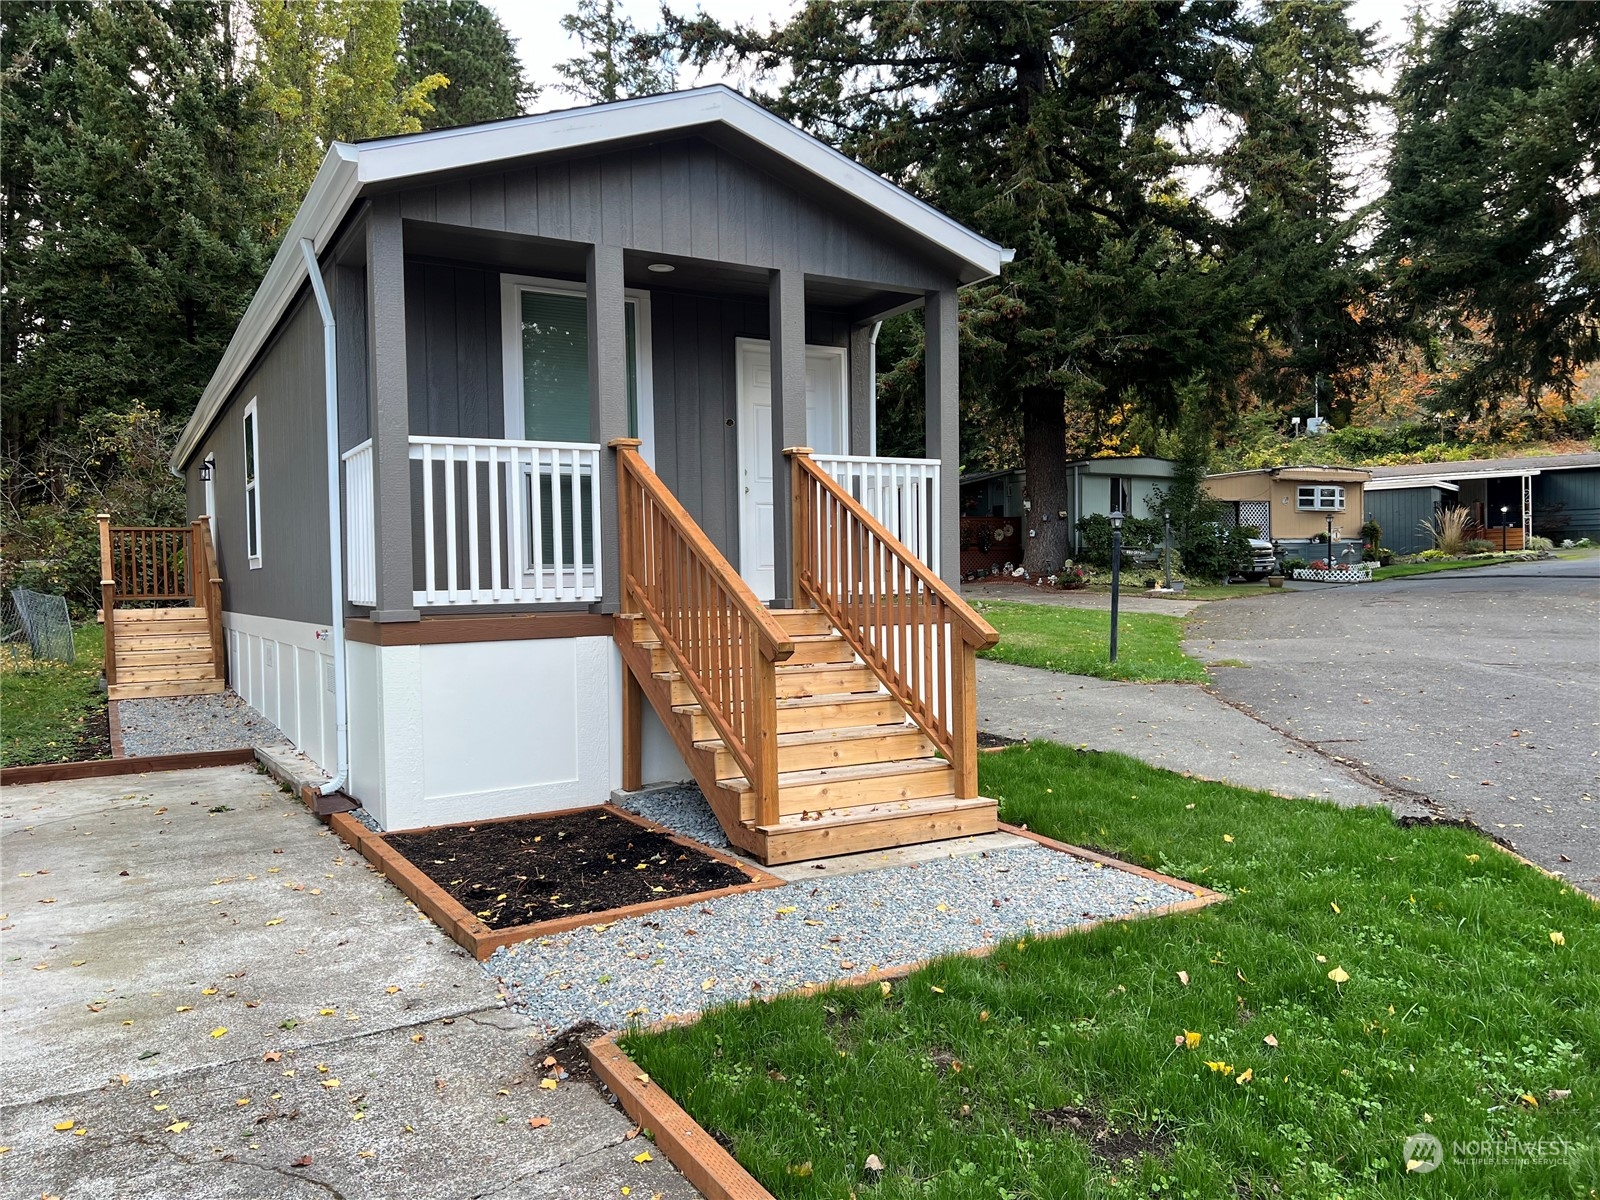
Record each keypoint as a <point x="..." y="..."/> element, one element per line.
<point x="466" y="43"/>
<point x="132" y="224"/>
<point x="618" y="60"/>
<point x="1298" y="237"/>
<point x="1493" y="213"/>
<point x="1053" y="128"/>
<point x="325" y="71"/>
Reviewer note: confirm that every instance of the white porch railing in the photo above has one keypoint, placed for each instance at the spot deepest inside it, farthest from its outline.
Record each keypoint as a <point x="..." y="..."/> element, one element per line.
<point x="360" y="551"/>
<point x="507" y="522"/>
<point x="902" y="493"/>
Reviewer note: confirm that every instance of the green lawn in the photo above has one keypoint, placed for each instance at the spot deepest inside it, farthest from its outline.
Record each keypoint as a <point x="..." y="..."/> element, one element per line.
<point x="1473" y="992"/>
<point x="51" y="712"/>
<point x="1078" y="640"/>
<point x="1401" y="570"/>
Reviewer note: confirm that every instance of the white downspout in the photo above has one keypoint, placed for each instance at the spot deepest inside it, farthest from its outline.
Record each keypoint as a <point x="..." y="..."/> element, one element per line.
<point x="330" y="384"/>
<point x="872" y="389"/>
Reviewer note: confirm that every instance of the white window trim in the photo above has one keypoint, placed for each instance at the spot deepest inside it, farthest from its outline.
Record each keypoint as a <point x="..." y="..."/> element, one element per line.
<point x="251" y="421"/>
<point x="210" y="485"/>
<point x="1316" y="505"/>
<point x="511" y="289"/>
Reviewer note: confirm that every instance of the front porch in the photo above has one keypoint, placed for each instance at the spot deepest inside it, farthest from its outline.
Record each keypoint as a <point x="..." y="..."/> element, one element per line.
<point x="693" y="463"/>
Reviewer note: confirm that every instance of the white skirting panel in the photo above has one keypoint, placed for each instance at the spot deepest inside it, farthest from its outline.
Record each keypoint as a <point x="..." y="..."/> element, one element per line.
<point x="284" y="670"/>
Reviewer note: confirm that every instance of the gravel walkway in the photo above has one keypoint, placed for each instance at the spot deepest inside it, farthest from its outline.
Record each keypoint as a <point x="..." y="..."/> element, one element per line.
<point x="760" y="943"/>
<point x="681" y="809"/>
<point x="180" y="724"/>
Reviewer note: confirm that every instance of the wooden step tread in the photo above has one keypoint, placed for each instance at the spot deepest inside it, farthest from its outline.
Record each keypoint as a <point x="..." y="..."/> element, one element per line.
<point x="789" y="702"/>
<point x="853" y="774"/>
<point x="180" y="687"/>
<point x="860" y="814"/>
<point x="812" y="737"/>
<point x="165" y="672"/>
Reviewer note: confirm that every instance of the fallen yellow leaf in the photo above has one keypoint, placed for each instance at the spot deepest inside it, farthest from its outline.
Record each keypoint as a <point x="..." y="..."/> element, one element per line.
<point x="219" y="1031"/>
<point x="391" y="990"/>
<point x="366" y="1154"/>
<point x="63" y="1126"/>
<point x="1191" y="1039"/>
<point x="1245" y="1076"/>
<point x="884" y="988"/>
<point x="208" y="991"/>
<point x="643" y="1157"/>
<point x="549" y="1085"/>
<point x="1557" y="937"/>
<point x="1333" y="906"/>
<point x="184" y="1008"/>
<point x="177" y="1127"/>
<point x="330" y="1083"/>
<point x="1339" y="975"/>
<point x="275" y="921"/>
<point x="1227" y="837"/>
<point x="933" y="987"/>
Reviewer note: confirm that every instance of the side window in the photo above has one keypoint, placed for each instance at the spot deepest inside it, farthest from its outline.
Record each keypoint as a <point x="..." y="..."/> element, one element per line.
<point x="252" y="484"/>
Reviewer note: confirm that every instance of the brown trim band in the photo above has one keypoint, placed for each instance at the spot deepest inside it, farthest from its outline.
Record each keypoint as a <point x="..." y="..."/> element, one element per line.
<point x="505" y="627"/>
<point x="114" y="729"/>
<point x="105" y="767"/>
<point x="466" y="929"/>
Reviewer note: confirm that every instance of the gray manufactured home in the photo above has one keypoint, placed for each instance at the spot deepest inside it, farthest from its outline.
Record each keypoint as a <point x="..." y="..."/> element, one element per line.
<point x="541" y="465"/>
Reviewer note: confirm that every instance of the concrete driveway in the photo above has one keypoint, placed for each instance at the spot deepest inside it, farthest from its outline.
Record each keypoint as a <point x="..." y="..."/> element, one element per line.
<point x="1479" y="689"/>
<point x="206" y="994"/>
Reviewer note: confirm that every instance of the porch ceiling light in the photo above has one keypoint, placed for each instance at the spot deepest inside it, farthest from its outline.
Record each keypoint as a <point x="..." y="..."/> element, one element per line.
<point x="661" y="268"/>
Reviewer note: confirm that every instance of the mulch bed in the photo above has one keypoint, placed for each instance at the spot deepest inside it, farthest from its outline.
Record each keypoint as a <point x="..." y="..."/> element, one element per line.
<point x="512" y="873"/>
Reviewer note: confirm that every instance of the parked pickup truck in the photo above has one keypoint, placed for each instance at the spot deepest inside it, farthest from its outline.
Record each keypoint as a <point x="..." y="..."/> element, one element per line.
<point x="1263" y="559"/>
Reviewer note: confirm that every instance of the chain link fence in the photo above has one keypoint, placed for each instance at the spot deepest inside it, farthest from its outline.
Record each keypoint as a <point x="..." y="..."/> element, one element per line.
<point x="35" y="627"/>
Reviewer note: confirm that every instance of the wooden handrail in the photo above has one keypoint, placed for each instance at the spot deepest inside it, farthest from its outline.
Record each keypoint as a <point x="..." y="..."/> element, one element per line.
<point x="895" y="612"/>
<point x="721" y="639"/>
<point x="211" y="573"/>
<point x="149" y="562"/>
<point x="108" y="598"/>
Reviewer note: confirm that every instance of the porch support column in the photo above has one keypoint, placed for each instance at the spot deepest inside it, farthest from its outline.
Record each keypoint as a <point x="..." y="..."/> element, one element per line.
<point x="942" y="422"/>
<point x="786" y="316"/>
<point x="862" y="417"/>
<point x="608" y="398"/>
<point x="390" y="417"/>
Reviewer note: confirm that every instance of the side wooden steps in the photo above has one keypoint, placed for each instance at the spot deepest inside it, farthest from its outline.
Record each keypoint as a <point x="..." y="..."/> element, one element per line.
<point x="854" y="773"/>
<point x="163" y="652"/>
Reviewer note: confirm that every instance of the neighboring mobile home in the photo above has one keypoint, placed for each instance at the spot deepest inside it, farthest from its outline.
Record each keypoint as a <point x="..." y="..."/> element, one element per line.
<point x="1509" y="499"/>
<point x="597" y="385"/>
<point x="1291" y="506"/>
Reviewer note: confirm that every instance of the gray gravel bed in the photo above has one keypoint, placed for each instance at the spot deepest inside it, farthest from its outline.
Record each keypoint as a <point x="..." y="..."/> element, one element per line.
<point x="761" y="943"/>
<point x="180" y="724"/>
<point x="682" y="809"/>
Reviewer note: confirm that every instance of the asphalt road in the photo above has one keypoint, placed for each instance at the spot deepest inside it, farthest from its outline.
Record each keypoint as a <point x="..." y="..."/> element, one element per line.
<point x="1478" y="689"/>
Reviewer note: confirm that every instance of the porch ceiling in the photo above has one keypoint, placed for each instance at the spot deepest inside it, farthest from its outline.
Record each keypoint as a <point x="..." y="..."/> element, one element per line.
<point x="524" y="255"/>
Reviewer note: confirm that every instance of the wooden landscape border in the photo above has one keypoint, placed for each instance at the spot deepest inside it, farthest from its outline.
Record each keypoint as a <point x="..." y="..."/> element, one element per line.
<point x="114" y="729"/>
<point x="101" y="768"/>
<point x="697" y="1155"/>
<point x="466" y="928"/>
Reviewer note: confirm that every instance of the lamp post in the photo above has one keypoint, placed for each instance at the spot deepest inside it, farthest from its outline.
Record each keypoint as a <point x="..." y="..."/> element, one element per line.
<point x="1505" y="520"/>
<point x="1116" y="575"/>
<point x="1166" y="546"/>
<point x="1330" y="542"/>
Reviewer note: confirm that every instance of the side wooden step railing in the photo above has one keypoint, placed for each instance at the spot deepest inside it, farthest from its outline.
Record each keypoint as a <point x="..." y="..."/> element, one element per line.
<point x="720" y="640"/>
<point x="905" y="622"/>
<point x="161" y="601"/>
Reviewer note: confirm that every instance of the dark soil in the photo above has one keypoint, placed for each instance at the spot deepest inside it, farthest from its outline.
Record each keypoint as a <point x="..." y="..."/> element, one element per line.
<point x="567" y="1050"/>
<point x="511" y="873"/>
<point x="1107" y="1144"/>
<point x="986" y="740"/>
<point x="92" y="738"/>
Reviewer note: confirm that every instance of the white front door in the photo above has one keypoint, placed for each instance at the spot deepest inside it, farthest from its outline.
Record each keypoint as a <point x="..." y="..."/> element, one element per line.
<point x="826" y="421"/>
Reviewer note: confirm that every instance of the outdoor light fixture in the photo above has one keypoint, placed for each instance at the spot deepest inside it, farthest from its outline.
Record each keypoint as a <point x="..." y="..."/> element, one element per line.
<point x="205" y="470"/>
<point x="1166" y="547"/>
<point x="1116" y="575"/>
<point x="1505" y="520"/>
<point x="661" y="268"/>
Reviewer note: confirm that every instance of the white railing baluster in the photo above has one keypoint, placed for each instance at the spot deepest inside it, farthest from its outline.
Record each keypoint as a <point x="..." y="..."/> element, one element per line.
<point x="518" y="472"/>
<point x="902" y="493"/>
<point x="361" y="572"/>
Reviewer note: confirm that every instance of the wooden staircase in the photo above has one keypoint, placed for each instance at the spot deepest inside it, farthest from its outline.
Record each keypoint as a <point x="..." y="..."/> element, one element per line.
<point x="806" y="738"/>
<point x="161" y="651"/>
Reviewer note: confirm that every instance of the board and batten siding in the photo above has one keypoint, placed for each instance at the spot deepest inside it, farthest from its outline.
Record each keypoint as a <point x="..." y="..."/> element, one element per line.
<point x="292" y="583"/>
<point x="1401" y="512"/>
<point x="682" y="197"/>
<point x="1578" y="495"/>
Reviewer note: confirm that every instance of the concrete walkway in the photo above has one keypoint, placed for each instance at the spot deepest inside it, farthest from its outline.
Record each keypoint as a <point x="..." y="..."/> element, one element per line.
<point x="1177" y="726"/>
<point x="223" y="1001"/>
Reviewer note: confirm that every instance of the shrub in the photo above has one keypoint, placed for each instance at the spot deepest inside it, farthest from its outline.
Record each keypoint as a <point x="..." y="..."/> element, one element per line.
<point x="1433" y="555"/>
<point x="1094" y="537"/>
<point x="1447" y="530"/>
<point x="1372" y="533"/>
<point x="1291" y="565"/>
<point x="1540" y="543"/>
<point x="1479" y="546"/>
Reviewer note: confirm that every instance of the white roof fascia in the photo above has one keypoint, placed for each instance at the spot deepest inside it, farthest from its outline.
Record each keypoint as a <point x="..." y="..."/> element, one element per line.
<point x="349" y="168"/>
<point x="1399" y="483"/>
<point x="330" y="196"/>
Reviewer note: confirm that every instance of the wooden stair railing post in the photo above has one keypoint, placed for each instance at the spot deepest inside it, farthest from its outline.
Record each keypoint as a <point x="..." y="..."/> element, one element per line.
<point x="207" y="549"/>
<point x="108" y="597"/>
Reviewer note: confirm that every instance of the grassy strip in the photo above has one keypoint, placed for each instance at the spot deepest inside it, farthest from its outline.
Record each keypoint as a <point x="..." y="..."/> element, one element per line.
<point x="1077" y="641"/>
<point x="1461" y="1015"/>
<point x="1401" y="570"/>
<point x="49" y="712"/>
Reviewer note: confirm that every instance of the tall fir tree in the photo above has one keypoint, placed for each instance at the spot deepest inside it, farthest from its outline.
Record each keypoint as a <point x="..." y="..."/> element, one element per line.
<point x="465" y="42"/>
<point x="1493" y="214"/>
<point x="1299" y="236"/>
<point x="133" y="227"/>
<point x="325" y="71"/>
<point x="1055" y="129"/>
<point x="618" y="60"/>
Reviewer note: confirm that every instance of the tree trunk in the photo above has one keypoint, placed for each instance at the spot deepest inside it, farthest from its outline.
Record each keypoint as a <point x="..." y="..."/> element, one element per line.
<point x="1044" y="436"/>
